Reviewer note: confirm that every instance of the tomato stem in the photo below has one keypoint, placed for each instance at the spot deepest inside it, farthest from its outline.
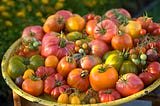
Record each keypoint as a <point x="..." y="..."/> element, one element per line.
<point x="58" y="83"/>
<point x="84" y="73"/>
<point x="62" y="42"/>
<point x="69" y="59"/>
<point x="102" y="69"/>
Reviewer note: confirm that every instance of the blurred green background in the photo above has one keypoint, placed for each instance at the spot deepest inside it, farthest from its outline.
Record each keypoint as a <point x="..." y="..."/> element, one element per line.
<point x="15" y="15"/>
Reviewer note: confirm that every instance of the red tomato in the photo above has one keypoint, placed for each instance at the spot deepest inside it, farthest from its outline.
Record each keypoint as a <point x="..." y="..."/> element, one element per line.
<point x="129" y="84"/>
<point x="90" y="26"/>
<point x="33" y="32"/>
<point x="116" y="14"/>
<point x="105" y="30"/>
<point x="44" y="72"/>
<point x="106" y="98"/>
<point x="103" y="77"/>
<point x="78" y="78"/>
<point x="89" y="16"/>
<point x="144" y="21"/>
<point x="53" y="45"/>
<point x="65" y="13"/>
<point x="154" y="68"/>
<point x="55" y="85"/>
<point x="96" y="47"/>
<point x="65" y="65"/>
<point x="147" y="77"/>
<point x="113" y="92"/>
<point x="122" y="41"/>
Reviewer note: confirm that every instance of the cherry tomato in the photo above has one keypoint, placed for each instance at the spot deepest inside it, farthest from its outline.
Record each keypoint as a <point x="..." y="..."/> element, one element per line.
<point x="63" y="98"/>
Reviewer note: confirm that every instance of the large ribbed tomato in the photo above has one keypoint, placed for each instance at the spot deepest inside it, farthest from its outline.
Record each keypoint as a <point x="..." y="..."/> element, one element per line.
<point x="105" y="30"/>
<point x="53" y="45"/>
<point x="103" y="77"/>
<point x="122" y="41"/>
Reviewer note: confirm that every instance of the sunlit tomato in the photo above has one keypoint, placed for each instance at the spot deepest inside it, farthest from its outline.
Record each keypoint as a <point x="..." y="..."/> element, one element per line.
<point x="89" y="61"/>
<point x="65" y="65"/>
<point x="75" y="23"/>
<point x="129" y="84"/>
<point x="53" y="45"/>
<point x="144" y="21"/>
<point x="117" y="15"/>
<point x="154" y="68"/>
<point x="122" y="41"/>
<point x="63" y="98"/>
<point x="33" y="86"/>
<point x="33" y="32"/>
<point x="96" y="47"/>
<point x="147" y="77"/>
<point x="78" y="78"/>
<point x="54" y="23"/>
<point x="51" y="61"/>
<point x="133" y="28"/>
<point x="65" y="13"/>
<point x="105" y="30"/>
<point x="90" y="26"/>
<point x="103" y="77"/>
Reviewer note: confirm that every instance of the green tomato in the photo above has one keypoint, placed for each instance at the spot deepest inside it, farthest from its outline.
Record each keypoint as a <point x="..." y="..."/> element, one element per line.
<point x="16" y="66"/>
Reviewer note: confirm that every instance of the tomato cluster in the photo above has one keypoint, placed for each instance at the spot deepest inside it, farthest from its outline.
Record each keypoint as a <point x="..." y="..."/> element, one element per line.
<point x="89" y="59"/>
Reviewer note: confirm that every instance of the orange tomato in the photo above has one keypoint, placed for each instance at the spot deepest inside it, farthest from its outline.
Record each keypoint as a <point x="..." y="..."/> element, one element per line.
<point x="103" y="77"/>
<point x="33" y="86"/>
<point x="51" y="61"/>
<point x="75" y="23"/>
<point x="63" y="98"/>
<point x="27" y="73"/>
<point x="65" y="65"/>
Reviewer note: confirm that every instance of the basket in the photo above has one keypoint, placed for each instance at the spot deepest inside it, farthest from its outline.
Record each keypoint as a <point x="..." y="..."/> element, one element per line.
<point x="42" y="100"/>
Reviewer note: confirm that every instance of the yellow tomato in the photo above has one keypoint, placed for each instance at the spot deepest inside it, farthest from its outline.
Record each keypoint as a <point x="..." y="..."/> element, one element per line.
<point x="133" y="28"/>
<point x="63" y="98"/>
<point x="27" y="73"/>
<point x="75" y="23"/>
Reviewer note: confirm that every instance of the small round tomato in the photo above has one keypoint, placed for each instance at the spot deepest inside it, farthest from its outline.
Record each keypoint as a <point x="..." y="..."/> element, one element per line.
<point x="147" y="77"/>
<point x="90" y="25"/>
<point x="129" y="84"/>
<point x="105" y="30"/>
<point x="65" y="65"/>
<point x="33" y="86"/>
<point x="103" y="77"/>
<point x="63" y="98"/>
<point x="154" y="68"/>
<point x="122" y="41"/>
<point x="75" y="23"/>
<point x="78" y="78"/>
<point x="75" y="100"/>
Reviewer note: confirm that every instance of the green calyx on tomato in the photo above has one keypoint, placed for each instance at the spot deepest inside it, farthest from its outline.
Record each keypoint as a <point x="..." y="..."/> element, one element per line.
<point x="84" y="73"/>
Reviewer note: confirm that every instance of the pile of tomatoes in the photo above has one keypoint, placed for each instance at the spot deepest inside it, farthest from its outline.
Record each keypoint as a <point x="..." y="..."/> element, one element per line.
<point x="89" y="59"/>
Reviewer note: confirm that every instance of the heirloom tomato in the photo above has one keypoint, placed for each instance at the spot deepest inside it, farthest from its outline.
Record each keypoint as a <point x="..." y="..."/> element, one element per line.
<point x="105" y="30"/>
<point x="43" y="72"/>
<point x="75" y="23"/>
<point x="78" y="78"/>
<point x="89" y="61"/>
<point x="74" y="35"/>
<point x="54" y="23"/>
<point x="16" y="66"/>
<point x="90" y="25"/>
<point x="122" y="41"/>
<point x="129" y="84"/>
<point x="33" y="86"/>
<point x="98" y="47"/>
<point x="51" y="61"/>
<point x="63" y="98"/>
<point x="133" y="28"/>
<point x="102" y="77"/>
<point x="154" y="68"/>
<point x="118" y="16"/>
<point x="106" y="98"/>
<point x="147" y="77"/>
<point x="64" y="13"/>
<point x="128" y="67"/>
<point x="107" y="54"/>
<point x="55" y="85"/>
<point x="54" y="45"/>
<point x="65" y="65"/>
<point x="32" y="32"/>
